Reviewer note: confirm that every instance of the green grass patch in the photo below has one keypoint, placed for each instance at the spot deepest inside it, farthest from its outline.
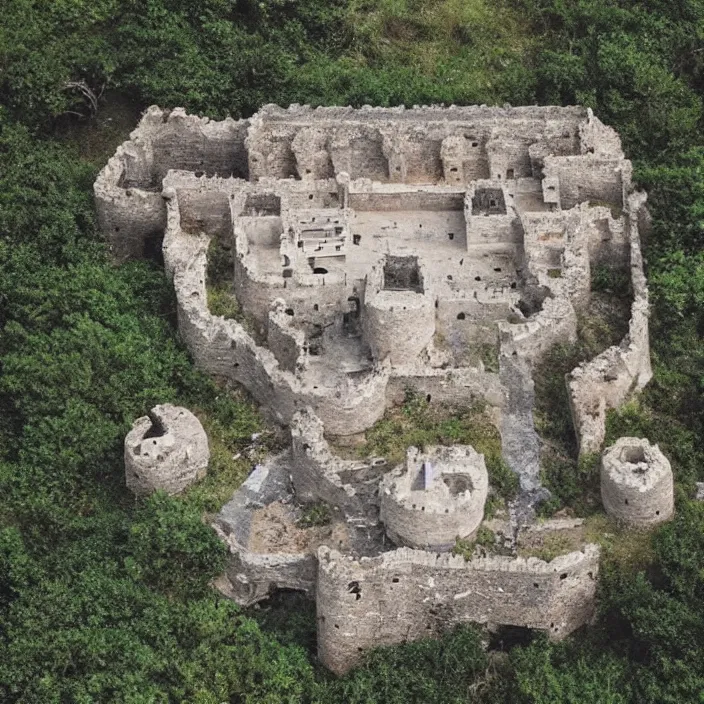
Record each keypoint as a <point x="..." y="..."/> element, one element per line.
<point x="238" y="439"/>
<point x="317" y="514"/>
<point x="222" y="301"/>
<point x="628" y="550"/>
<point x="417" y="423"/>
<point x="487" y="354"/>
<point x="553" y="545"/>
<point x="465" y="547"/>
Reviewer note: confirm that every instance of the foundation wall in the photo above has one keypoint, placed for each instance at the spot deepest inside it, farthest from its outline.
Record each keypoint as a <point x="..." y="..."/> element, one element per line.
<point x="189" y="143"/>
<point x="406" y="595"/>
<point x="207" y="210"/>
<point x="508" y="159"/>
<point x="359" y="151"/>
<point x="587" y="178"/>
<point x="284" y="341"/>
<point x="414" y="200"/>
<point x="457" y="388"/>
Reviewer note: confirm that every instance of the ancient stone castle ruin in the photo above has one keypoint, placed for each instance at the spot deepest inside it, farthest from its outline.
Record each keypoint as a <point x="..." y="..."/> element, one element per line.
<point x="373" y="251"/>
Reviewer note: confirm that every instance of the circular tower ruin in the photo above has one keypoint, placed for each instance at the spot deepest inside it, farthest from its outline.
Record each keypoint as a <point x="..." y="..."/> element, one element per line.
<point x="167" y="450"/>
<point x="437" y="497"/>
<point x="636" y="483"/>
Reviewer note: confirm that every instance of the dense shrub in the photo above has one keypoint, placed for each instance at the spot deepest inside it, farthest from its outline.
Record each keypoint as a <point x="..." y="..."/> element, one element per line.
<point x="106" y="599"/>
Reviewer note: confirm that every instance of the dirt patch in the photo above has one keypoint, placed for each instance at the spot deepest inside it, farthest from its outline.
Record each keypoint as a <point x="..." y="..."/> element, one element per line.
<point x="275" y="530"/>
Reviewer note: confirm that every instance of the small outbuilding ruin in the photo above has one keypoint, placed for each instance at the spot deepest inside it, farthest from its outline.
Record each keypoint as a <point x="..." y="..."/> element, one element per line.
<point x="636" y="483"/>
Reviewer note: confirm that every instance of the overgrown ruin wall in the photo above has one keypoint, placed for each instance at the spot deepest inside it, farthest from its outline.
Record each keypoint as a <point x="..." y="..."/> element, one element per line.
<point x="407" y="594"/>
<point x="223" y="348"/>
<point x="609" y="379"/>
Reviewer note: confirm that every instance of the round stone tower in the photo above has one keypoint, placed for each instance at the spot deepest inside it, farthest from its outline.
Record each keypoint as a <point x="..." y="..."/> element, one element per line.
<point x="168" y="450"/>
<point x="636" y="483"/>
<point x="437" y="497"/>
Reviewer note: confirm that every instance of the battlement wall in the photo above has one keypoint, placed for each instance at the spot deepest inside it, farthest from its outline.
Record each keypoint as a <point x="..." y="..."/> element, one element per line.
<point x="407" y="594"/>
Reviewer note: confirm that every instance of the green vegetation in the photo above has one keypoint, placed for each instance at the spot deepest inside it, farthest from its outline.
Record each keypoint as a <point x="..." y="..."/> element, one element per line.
<point x="485" y="538"/>
<point x="106" y="599"/>
<point x="418" y="423"/>
<point x="318" y="514"/>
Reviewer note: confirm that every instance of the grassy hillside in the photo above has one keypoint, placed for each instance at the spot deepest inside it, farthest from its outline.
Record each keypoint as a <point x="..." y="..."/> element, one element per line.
<point x="104" y="599"/>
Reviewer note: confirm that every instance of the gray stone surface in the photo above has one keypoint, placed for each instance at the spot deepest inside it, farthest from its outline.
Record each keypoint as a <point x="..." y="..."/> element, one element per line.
<point x="409" y="594"/>
<point x="167" y="450"/>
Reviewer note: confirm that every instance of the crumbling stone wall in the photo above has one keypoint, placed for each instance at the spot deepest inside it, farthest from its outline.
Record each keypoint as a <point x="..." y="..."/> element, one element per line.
<point x="612" y="377"/>
<point x="223" y="348"/>
<point x="407" y="594"/>
<point x="128" y="217"/>
<point x="320" y="475"/>
<point x="127" y="191"/>
<point x="636" y="483"/>
<point x="588" y="178"/>
<point x="423" y="144"/>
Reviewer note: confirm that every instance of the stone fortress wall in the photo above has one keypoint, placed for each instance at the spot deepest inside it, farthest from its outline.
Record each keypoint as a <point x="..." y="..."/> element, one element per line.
<point x="376" y="250"/>
<point x="407" y="594"/>
<point x="577" y="157"/>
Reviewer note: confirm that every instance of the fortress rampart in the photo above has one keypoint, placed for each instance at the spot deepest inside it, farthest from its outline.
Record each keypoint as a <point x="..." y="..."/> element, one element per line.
<point x="408" y="594"/>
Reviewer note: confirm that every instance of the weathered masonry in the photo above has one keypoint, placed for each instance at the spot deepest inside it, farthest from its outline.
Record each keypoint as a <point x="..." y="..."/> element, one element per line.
<point x="372" y="251"/>
<point x="409" y="594"/>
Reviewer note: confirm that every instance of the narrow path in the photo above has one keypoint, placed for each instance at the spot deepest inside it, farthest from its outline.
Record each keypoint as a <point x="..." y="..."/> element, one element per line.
<point x="519" y="441"/>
